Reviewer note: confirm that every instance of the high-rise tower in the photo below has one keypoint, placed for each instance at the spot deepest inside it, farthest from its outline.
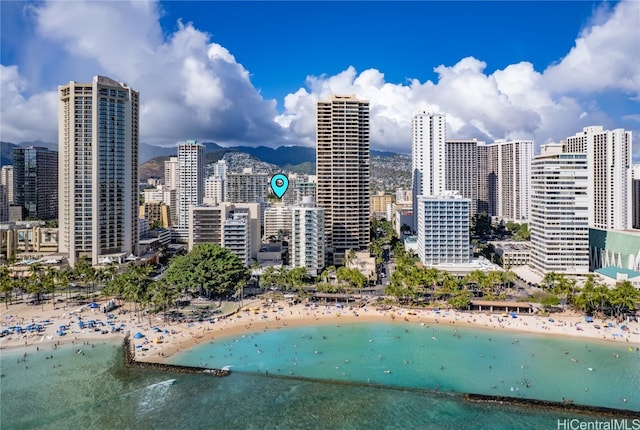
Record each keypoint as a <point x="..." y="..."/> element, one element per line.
<point x="610" y="178"/>
<point x="559" y="212"/>
<point x="342" y="158"/>
<point x="428" y="133"/>
<point x="190" y="179"/>
<point x="35" y="181"/>
<point x="98" y="137"/>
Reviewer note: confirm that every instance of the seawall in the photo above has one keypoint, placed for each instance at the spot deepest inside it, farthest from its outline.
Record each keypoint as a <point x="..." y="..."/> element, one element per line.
<point x="131" y="362"/>
<point x="567" y="406"/>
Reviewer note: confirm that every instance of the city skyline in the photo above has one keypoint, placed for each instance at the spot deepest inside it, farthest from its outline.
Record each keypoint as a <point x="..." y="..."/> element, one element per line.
<point x="238" y="74"/>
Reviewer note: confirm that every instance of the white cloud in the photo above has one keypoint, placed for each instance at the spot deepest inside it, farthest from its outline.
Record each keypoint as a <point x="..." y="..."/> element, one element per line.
<point x="606" y="56"/>
<point x="25" y="118"/>
<point x="516" y="102"/>
<point x="192" y="87"/>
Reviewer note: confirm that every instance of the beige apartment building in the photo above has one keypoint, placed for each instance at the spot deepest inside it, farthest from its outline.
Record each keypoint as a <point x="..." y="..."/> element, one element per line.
<point x="342" y="169"/>
<point x="226" y="224"/>
<point x="98" y="138"/>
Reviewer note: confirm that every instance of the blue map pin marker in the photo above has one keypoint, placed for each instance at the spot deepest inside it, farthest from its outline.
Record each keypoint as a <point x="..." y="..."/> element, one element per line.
<point x="279" y="184"/>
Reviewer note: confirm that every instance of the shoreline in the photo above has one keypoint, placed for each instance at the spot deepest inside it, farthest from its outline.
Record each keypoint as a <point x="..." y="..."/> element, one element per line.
<point x="161" y="341"/>
<point x="174" y="338"/>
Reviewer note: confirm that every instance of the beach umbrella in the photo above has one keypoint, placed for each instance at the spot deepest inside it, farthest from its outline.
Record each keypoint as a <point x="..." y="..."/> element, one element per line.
<point x="513" y="315"/>
<point x="552" y="320"/>
<point x="138" y="335"/>
<point x="588" y="319"/>
<point x="93" y="305"/>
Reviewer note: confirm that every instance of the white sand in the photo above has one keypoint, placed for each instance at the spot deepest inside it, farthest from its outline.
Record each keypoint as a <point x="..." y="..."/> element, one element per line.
<point x="167" y="339"/>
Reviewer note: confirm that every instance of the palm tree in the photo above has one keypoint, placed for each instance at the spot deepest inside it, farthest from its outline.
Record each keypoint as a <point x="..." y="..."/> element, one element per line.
<point x="433" y="278"/>
<point x="163" y="295"/>
<point x="350" y="257"/>
<point x="6" y="284"/>
<point x="49" y="284"/>
<point x="35" y="285"/>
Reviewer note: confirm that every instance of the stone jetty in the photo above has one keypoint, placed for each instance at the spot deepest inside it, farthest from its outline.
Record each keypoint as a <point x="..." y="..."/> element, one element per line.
<point x="131" y="362"/>
<point x="565" y="406"/>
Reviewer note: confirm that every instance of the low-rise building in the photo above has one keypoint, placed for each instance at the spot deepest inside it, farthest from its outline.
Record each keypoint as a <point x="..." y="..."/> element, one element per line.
<point x="512" y="253"/>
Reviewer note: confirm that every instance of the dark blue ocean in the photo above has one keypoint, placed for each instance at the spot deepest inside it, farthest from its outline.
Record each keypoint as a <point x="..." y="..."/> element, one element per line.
<point x="356" y="376"/>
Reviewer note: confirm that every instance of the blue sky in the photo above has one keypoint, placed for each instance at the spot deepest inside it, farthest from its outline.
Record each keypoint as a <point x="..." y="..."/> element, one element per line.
<point x="250" y="72"/>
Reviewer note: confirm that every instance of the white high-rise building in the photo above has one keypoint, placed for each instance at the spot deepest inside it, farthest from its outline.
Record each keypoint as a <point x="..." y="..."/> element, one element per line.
<point x="98" y="138"/>
<point x="610" y="179"/>
<point x="171" y="177"/>
<point x="277" y="221"/>
<point x="236" y="234"/>
<point x="636" y="197"/>
<point x="342" y="158"/>
<point x="559" y="211"/>
<point x="307" y="237"/>
<point x="6" y="179"/>
<point x="191" y="179"/>
<point x="6" y="192"/>
<point x="213" y="190"/>
<point x="220" y="169"/>
<point x="443" y="229"/>
<point x="428" y="167"/>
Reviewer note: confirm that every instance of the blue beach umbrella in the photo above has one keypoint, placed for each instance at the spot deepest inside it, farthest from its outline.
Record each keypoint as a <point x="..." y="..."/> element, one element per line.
<point x="138" y="335"/>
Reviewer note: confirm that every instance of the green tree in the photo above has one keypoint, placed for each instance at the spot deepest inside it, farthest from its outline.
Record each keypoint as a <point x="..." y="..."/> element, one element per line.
<point x="522" y="232"/>
<point x="210" y="269"/>
<point x="6" y="285"/>
<point x="460" y="300"/>
<point x="163" y="295"/>
<point x="623" y="298"/>
<point x="586" y="300"/>
<point x="481" y="225"/>
<point x="350" y="257"/>
<point x="297" y="277"/>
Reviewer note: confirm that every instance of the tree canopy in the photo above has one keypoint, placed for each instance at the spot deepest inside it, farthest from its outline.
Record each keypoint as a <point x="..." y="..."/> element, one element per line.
<point x="209" y="269"/>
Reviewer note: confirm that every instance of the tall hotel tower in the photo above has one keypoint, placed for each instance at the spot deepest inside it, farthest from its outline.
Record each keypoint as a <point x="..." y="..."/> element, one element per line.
<point x="98" y="134"/>
<point x="428" y="133"/>
<point x="610" y="176"/>
<point x="462" y="170"/>
<point x="504" y="178"/>
<point x="342" y="157"/>
<point x="190" y="179"/>
<point x="559" y="211"/>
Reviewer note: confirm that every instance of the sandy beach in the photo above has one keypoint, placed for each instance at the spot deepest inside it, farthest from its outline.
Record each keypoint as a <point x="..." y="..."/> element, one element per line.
<point x="159" y="340"/>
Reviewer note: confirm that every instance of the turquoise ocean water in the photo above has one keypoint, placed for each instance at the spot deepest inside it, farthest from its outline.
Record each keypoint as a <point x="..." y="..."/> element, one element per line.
<point x="94" y="390"/>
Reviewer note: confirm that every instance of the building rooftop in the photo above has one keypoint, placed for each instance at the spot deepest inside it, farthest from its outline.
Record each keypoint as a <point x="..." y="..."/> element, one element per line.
<point x="613" y="272"/>
<point x="513" y="246"/>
